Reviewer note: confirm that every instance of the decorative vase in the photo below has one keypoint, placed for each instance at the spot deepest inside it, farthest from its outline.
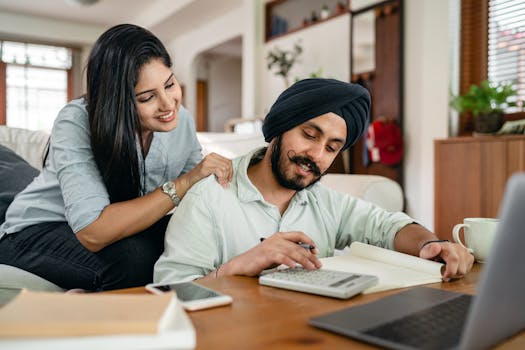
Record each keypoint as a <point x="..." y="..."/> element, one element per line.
<point x="488" y="123"/>
<point x="306" y="22"/>
<point x="325" y="12"/>
<point x="313" y="17"/>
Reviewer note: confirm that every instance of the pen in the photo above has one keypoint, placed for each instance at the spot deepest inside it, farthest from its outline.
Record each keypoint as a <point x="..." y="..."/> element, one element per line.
<point x="304" y="245"/>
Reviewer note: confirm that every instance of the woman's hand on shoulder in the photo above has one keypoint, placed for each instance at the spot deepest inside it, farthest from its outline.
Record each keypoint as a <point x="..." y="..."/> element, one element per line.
<point x="216" y="164"/>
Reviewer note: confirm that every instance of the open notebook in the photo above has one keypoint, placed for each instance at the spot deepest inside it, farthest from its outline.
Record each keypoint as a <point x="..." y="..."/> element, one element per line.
<point x="429" y="318"/>
<point x="394" y="269"/>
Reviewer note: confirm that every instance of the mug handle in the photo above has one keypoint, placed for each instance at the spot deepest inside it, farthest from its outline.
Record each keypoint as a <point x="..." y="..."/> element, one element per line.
<point x="455" y="235"/>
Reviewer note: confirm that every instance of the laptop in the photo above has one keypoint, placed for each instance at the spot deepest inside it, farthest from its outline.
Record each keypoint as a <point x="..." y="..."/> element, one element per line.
<point x="429" y="318"/>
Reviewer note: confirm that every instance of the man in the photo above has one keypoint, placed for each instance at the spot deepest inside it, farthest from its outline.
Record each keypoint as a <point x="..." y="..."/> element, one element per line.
<point x="275" y="201"/>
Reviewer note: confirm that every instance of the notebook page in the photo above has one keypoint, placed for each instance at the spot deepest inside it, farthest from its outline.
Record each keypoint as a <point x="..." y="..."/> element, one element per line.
<point x="393" y="270"/>
<point x="392" y="257"/>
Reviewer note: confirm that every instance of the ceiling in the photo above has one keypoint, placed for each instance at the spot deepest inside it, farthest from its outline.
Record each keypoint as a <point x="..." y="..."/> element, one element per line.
<point x="161" y="16"/>
<point x="105" y="12"/>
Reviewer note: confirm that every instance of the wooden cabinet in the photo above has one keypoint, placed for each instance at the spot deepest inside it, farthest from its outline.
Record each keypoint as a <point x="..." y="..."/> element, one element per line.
<point x="470" y="177"/>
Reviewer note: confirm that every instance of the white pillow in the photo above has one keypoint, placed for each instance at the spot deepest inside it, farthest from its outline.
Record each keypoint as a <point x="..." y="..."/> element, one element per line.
<point x="28" y="144"/>
<point x="230" y="145"/>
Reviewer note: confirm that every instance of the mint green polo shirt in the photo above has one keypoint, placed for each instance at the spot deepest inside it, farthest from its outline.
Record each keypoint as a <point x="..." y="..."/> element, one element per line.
<point x="212" y="224"/>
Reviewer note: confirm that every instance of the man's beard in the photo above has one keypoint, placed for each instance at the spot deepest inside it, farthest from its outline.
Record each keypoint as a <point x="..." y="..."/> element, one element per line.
<point x="278" y="158"/>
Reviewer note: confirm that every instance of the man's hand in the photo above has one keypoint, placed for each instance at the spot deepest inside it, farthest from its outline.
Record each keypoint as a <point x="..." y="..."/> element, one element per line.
<point x="457" y="258"/>
<point x="279" y="248"/>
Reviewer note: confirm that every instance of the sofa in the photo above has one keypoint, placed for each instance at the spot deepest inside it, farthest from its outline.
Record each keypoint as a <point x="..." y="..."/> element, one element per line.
<point x="30" y="146"/>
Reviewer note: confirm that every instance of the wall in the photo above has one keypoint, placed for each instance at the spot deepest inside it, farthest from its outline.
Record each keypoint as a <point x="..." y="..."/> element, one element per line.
<point x="426" y="100"/>
<point x="325" y="47"/>
<point x="259" y="86"/>
<point x="187" y="47"/>
<point x="48" y="30"/>
<point x="224" y="102"/>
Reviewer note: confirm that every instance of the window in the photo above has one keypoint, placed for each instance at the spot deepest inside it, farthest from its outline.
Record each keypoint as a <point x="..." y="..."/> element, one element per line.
<point x="506" y="45"/>
<point x="492" y="47"/>
<point x="35" y="80"/>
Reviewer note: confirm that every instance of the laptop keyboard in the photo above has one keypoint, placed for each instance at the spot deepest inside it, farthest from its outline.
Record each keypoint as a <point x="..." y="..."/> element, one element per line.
<point x="438" y="327"/>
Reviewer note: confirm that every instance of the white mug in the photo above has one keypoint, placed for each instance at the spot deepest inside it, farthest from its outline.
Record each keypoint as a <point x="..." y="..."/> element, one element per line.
<point x="479" y="234"/>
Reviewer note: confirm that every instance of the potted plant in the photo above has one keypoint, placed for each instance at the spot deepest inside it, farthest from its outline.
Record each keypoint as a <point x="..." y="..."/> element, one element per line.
<point x="283" y="60"/>
<point x="487" y="102"/>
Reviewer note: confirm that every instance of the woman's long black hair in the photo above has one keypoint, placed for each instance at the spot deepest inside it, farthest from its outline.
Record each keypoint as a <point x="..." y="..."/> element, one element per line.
<point x="112" y="73"/>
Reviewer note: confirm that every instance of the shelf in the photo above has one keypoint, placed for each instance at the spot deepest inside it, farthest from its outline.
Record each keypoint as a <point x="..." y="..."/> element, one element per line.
<point x="289" y="16"/>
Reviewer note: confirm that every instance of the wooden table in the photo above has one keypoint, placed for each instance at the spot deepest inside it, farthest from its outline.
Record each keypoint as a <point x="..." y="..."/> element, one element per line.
<point x="271" y="318"/>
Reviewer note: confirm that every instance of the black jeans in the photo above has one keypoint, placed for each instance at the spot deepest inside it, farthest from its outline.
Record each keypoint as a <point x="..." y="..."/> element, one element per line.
<point x="52" y="251"/>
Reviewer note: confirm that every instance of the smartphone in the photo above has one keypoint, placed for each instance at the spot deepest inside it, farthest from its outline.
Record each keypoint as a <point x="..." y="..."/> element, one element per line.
<point x="192" y="296"/>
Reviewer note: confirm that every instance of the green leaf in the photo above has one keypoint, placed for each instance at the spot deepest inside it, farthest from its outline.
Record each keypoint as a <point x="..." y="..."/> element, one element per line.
<point x="485" y="98"/>
<point x="282" y="61"/>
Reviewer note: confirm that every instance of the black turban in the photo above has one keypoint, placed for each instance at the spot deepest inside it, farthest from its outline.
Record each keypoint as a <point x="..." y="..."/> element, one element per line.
<point x="310" y="98"/>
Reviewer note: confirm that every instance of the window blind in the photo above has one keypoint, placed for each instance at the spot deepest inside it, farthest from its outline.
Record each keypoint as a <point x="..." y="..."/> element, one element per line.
<point x="506" y="46"/>
<point x="473" y="52"/>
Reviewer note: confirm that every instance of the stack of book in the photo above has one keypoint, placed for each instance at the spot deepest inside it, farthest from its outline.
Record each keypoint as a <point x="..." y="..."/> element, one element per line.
<point x="37" y="320"/>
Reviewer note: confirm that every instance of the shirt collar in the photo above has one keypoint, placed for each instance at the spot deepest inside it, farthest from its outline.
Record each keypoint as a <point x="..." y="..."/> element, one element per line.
<point x="246" y="190"/>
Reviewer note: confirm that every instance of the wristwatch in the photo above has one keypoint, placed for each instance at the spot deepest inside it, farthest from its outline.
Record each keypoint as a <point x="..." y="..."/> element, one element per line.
<point x="169" y="189"/>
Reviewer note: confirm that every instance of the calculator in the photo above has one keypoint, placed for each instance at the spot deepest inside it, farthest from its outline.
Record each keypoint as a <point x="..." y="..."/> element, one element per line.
<point x="330" y="283"/>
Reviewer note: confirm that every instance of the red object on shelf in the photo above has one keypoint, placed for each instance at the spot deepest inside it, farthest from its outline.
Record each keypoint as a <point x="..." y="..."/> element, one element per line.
<point x="385" y="142"/>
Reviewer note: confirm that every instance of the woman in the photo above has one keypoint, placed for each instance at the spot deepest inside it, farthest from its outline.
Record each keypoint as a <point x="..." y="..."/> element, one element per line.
<point x="119" y="160"/>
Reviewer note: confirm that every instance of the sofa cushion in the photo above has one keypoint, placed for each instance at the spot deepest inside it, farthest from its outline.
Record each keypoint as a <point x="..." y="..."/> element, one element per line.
<point x="16" y="174"/>
<point x="230" y="145"/>
<point x="14" y="279"/>
<point x="29" y="144"/>
<point x="376" y="189"/>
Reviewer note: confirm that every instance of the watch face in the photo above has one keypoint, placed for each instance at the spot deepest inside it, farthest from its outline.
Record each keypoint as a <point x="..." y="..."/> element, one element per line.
<point x="169" y="189"/>
<point x="168" y="186"/>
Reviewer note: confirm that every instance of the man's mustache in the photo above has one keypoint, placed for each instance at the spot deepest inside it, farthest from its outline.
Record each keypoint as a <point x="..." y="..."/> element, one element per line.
<point x="305" y="160"/>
